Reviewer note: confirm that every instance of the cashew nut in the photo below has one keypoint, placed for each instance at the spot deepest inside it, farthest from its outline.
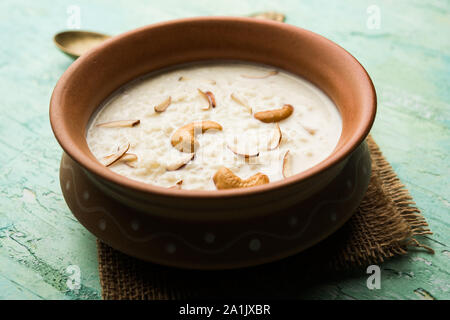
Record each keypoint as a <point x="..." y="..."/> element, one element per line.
<point x="275" y="115"/>
<point x="224" y="178"/>
<point x="184" y="138"/>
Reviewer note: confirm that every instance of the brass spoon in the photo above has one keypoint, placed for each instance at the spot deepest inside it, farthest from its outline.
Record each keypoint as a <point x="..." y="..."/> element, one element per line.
<point x="269" y="15"/>
<point x="75" y="43"/>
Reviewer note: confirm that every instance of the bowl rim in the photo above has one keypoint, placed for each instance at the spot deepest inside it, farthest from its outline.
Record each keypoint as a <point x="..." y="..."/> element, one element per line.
<point x="66" y="141"/>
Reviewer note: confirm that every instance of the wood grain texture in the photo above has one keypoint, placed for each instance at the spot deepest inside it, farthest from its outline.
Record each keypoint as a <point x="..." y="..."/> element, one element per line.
<point x="408" y="58"/>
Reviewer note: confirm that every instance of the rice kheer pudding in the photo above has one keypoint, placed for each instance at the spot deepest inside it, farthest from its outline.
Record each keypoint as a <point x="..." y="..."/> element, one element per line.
<point x="214" y="126"/>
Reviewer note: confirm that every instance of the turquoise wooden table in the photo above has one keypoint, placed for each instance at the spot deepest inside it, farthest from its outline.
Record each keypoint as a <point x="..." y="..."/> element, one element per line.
<point x="404" y="45"/>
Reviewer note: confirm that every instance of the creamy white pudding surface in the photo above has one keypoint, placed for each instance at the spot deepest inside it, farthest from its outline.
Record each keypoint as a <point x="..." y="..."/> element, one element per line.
<point x="240" y="91"/>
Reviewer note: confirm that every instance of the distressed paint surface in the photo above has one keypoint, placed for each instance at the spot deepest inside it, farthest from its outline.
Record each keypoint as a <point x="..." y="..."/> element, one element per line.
<point x="408" y="58"/>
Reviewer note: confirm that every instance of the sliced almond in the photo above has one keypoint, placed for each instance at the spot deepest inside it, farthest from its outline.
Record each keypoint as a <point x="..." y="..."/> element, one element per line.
<point x="276" y="138"/>
<point x="109" y="160"/>
<point x="180" y="98"/>
<point x="177" y="185"/>
<point x="241" y="102"/>
<point x="287" y="165"/>
<point x="163" y="105"/>
<point x="209" y="96"/>
<point x="270" y="73"/>
<point x="180" y="162"/>
<point x="131" y="164"/>
<point x="119" y="124"/>
<point x="182" y="78"/>
<point x="127" y="158"/>
<point x="310" y="130"/>
<point x="239" y="153"/>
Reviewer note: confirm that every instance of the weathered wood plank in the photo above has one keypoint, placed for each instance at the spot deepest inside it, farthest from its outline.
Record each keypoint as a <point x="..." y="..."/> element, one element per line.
<point x="408" y="57"/>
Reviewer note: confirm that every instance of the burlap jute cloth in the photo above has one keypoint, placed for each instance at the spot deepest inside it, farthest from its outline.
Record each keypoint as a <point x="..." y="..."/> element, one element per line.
<point x="385" y="225"/>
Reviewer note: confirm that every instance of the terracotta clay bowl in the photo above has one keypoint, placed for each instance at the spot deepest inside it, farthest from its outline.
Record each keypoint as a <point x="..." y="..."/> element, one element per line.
<point x="226" y="228"/>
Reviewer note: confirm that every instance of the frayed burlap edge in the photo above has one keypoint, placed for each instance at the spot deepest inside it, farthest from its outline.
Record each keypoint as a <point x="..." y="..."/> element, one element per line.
<point x="385" y="224"/>
<point x="376" y="237"/>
